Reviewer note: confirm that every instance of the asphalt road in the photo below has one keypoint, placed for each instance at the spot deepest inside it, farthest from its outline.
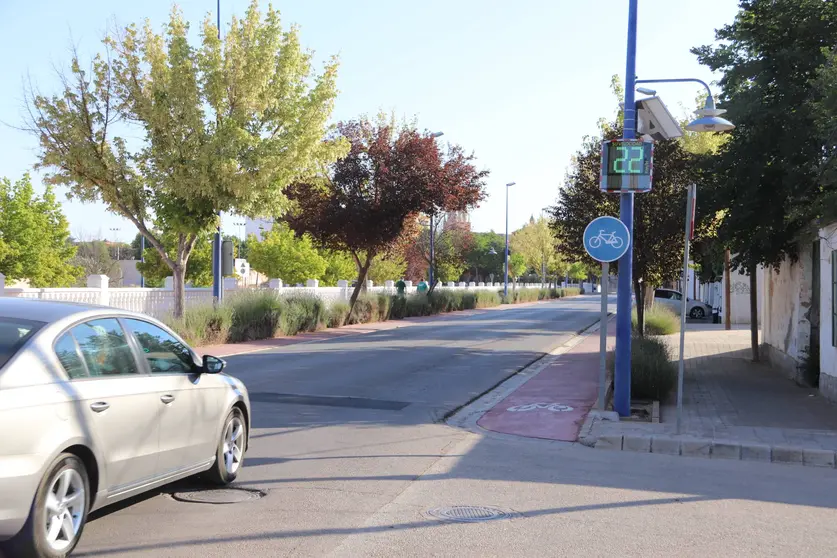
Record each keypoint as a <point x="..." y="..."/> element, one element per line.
<point x="350" y="456"/>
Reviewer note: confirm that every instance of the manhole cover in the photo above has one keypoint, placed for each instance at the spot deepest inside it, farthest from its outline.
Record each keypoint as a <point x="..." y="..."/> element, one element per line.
<point x="218" y="496"/>
<point x="468" y="514"/>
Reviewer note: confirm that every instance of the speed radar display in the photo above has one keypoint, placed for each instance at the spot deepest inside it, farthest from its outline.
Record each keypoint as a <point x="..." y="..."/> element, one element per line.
<point x="627" y="166"/>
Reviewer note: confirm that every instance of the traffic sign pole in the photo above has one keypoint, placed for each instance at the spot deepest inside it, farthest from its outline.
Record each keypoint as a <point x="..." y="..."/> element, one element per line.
<point x="603" y="337"/>
<point x="690" y="208"/>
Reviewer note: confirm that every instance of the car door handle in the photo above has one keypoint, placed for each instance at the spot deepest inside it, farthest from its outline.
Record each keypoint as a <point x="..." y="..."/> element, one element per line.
<point x="99" y="406"/>
<point x="167" y="398"/>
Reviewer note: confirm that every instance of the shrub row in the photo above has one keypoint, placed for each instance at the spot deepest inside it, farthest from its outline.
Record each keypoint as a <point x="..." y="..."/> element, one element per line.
<point x="659" y="320"/>
<point x="262" y="314"/>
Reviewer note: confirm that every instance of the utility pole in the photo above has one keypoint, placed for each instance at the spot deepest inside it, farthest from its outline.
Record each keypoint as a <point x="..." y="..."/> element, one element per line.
<point x="727" y="292"/>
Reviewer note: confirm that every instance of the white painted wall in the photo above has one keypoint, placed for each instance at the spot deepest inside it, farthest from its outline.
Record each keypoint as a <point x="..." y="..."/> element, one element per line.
<point x="740" y="299"/>
<point x="786" y="305"/>
<point x="828" y="353"/>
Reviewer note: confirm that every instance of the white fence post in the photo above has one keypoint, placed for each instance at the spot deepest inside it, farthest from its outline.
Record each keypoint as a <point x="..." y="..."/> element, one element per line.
<point x="2" y="284"/>
<point x="370" y="284"/>
<point x="343" y="285"/>
<point x="389" y="285"/>
<point x="100" y="282"/>
<point x="168" y="283"/>
<point x="275" y="283"/>
<point x="312" y="283"/>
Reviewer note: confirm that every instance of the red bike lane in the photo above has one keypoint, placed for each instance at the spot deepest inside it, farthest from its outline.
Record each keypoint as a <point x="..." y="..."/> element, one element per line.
<point x="554" y="403"/>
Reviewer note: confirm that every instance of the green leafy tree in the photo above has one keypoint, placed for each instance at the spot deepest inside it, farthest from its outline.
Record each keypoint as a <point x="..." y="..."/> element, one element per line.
<point x="198" y="268"/>
<point x="517" y="266"/>
<point x="578" y="271"/>
<point x="340" y="266"/>
<point x="34" y="237"/>
<point x="390" y="268"/>
<point x="536" y="242"/>
<point x="224" y="126"/>
<point x="282" y="255"/>
<point x="485" y="258"/>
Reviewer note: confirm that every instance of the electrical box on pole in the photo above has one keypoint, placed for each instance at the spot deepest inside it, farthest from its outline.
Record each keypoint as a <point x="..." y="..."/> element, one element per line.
<point x="227" y="259"/>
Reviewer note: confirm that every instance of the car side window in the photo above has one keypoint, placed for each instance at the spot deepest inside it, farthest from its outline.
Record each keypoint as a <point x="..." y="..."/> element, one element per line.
<point x="676" y="296"/>
<point x="105" y="348"/>
<point x="164" y="353"/>
<point x="661" y="294"/>
<point x="67" y="351"/>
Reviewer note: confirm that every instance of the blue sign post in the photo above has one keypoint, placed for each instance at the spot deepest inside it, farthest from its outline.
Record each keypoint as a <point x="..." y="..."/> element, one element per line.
<point x="606" y="239"/>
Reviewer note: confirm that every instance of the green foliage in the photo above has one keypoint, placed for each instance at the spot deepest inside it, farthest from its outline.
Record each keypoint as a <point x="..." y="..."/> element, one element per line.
<point x="370" y="308"/>
<point x="578" y="271"/>
<point x="486" y="299"/>
<point x="34" y="237"/>
<point x="653" y="374"/>
<point x="198" y="267"/>
<point x="537" y="244"/>
<point x="94" y="258"/>
<point x="224" y="126"/>
<point x="772" y="174"/>
<point x="659" y="320"/>
<point x="517" y="265"/>
<point x="338" y="314"/>
<point x="479" y="258"/>
<point x="387" y="268"/>
<point x="339" y="267"/>
<point x="202" y="325"/>
<point x="302" y="313"/>
<point x="255" y="315"/>
<point x="283" y="255"/>
<point x="569" y="291"/>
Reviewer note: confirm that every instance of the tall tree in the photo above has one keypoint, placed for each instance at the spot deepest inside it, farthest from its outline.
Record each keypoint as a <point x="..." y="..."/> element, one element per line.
<point x="339" y="266"/>
<point x="222" y="126"/>
<point x="281" y="254"/>
<point x="658" y="215"/>
<point x="389" y="268"/>
<point x="537" y="244"/>
<point x="34" y="237"/>
<point x="485" y="258"/>
<point x="369" y="197"/>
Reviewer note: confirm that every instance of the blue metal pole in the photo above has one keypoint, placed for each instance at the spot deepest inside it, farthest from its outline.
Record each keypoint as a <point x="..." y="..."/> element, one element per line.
<point x="506" y="256"/>
<point x="622" y="377"/>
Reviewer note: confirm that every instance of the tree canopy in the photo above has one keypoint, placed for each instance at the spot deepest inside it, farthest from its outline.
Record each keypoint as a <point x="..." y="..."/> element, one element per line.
<point x="198" y="267"/>
<point x="371" y="197"/>
<point x="537" y="244"/>
<point x="34" y="237"/>
<point x="283" y="255"/>
<point x="222" y="126"/>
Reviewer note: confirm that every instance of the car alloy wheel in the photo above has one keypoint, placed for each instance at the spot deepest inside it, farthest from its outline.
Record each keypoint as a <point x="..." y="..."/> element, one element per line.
<point x="698" y="313"/>
<point x="65" y="506"/>
<point x="233" y="449"/>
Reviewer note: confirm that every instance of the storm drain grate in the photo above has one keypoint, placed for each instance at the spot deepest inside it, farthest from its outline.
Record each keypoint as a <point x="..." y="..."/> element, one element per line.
<point x="218" y="496"/>
<point x="469" y="514"/>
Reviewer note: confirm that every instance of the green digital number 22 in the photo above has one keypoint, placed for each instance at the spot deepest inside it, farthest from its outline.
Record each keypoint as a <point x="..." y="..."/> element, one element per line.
<point x="634" y="157"/>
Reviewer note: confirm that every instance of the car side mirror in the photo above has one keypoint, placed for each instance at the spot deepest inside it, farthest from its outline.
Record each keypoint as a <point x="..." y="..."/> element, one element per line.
<point x="212" y="365"/>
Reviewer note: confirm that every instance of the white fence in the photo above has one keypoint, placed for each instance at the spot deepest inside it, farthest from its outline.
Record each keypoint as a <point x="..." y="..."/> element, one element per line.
<point x="160" y="302"/>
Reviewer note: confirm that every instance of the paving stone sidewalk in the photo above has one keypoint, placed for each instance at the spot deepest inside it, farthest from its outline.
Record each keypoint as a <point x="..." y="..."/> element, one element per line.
<point x="732" y="408"/>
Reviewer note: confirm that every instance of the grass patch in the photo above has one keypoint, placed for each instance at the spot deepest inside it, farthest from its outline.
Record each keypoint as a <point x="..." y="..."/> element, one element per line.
<point x="203" y="325"/>
<point x="653" y="374"/>
<point x="659" y="320"/>
<point x="486" y="299"/>
<point x="301" y="313"/>
<point x="255" y="315"/>
<point x="338" y="313"/>
<point x="570" y="291"/>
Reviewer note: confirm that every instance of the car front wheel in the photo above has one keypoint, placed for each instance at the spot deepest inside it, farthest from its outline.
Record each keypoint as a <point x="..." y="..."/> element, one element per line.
<point x="698" y="313"/>
<point x="57" y="516"/>
<point x="229" y="456"/>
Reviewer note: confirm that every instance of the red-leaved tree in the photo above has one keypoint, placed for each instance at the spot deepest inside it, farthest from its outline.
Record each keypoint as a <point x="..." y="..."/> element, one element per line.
<point x="368" y="200"/>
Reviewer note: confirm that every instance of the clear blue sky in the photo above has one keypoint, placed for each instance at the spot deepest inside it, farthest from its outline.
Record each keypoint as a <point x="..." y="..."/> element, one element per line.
<point x="519" y="83"/>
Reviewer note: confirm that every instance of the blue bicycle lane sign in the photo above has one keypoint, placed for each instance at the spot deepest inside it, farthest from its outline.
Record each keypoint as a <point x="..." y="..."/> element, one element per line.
<point x="606" y="239"/>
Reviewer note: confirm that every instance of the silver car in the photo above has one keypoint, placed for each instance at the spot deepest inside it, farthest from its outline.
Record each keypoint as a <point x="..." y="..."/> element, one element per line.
<point x="672" y="300"/>
<point x="100" y="405"/>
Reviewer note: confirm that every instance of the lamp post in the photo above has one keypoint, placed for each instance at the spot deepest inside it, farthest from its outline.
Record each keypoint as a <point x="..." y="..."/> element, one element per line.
<point x="708" y="122"/>
<point x="434" y="135"/>
<point x="116" y="241"/>
<point x="506" y="271"/>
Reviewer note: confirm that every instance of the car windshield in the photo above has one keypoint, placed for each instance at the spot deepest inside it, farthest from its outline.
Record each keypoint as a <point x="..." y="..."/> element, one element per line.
<point x="13" y="334"/>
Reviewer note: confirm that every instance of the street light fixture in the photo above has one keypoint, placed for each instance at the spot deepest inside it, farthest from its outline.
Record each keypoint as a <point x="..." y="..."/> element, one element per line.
<point x="506" y="280"/>
<point x="710" y="119"/>
<point x="434" y="135"/>
<point x="116" y="241"/>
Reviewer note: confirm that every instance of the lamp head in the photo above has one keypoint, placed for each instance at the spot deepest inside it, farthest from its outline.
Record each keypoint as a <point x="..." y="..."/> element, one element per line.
<point x="710" y="119"/>
<point x="646" y="91"/>
<point x="510" y="184"/>
<point x="437" y="134"/>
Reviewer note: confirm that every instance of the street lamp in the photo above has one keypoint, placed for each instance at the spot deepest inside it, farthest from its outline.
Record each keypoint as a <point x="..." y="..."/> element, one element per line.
<point x="709" y="121"/>
<point x="116" y="241"/>
<point x="506" y="281"/>
<point x="434" y="135"/>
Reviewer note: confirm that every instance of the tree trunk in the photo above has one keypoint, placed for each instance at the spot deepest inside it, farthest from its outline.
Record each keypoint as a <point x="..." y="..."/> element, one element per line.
<point x="363" y="269"/>
<point x="639" y="292"/>
<point x="727" y="292"/>
<point x="179" y="276"/>
<point x="754" y="313"/>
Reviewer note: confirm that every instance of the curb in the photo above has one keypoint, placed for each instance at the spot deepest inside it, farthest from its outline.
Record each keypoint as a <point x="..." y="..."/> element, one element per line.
<point x="686" y="446"/>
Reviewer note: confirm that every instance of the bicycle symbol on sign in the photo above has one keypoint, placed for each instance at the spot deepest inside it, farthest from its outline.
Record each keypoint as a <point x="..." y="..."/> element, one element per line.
<point x="608" y="238"/>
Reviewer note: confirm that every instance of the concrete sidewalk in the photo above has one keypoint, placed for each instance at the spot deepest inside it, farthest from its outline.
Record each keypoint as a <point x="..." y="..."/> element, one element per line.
<point x="732" y="408"/>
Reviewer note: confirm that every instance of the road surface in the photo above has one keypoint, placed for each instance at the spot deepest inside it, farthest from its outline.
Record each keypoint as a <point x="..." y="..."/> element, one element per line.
<point x="350" y="455"/>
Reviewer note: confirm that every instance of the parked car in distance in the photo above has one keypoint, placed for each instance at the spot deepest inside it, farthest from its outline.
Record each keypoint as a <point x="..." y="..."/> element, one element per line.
<point x="673" y="299"/>
<point x="100" y="405"/>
